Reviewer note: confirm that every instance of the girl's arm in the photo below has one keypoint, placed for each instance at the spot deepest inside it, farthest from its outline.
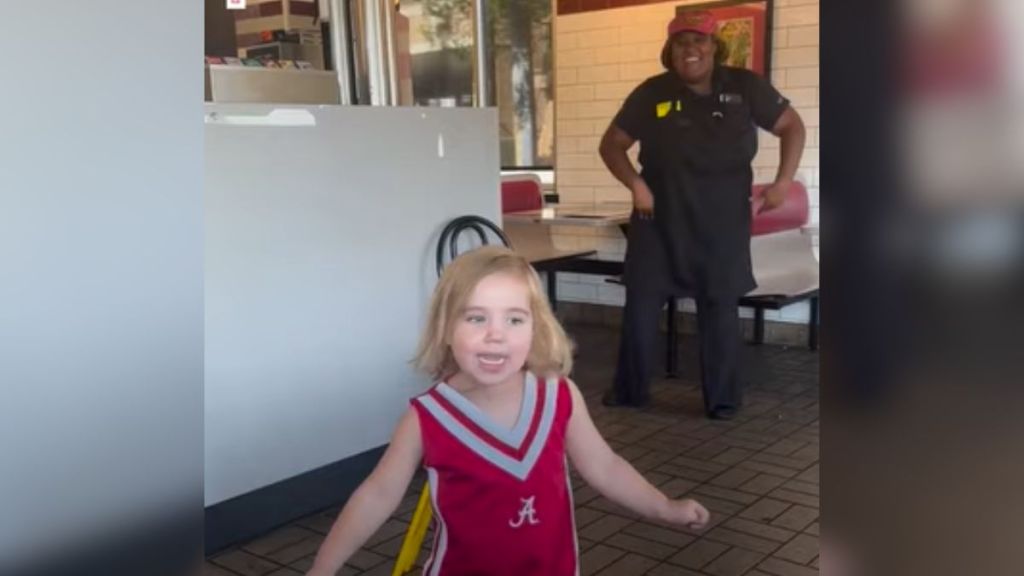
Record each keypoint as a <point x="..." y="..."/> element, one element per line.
<point x="616" y="479"/>
<point x="375" y="500"/>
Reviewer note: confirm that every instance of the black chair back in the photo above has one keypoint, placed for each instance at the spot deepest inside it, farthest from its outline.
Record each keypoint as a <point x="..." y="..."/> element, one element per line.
<point x="485" y="230"/>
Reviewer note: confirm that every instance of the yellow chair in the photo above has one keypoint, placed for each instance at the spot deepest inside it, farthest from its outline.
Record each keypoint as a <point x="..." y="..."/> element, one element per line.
<point x="415" y="534"/>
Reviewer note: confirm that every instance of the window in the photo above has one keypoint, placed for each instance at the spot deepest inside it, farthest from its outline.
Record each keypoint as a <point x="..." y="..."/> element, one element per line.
<point x="519" y="42"/>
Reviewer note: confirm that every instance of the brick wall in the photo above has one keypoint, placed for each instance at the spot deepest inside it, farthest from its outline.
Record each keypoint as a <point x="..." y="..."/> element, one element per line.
<point x="600" y="56"/>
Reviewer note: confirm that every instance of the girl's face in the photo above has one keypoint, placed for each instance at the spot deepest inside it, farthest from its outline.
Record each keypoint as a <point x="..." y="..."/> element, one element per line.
<point x="492" y="335"/>
<point x="693" y="56"/>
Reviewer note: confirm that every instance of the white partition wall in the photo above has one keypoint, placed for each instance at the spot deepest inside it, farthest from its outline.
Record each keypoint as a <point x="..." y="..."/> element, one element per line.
<point x="321" y="225"/>
<point x="101" y="334"/>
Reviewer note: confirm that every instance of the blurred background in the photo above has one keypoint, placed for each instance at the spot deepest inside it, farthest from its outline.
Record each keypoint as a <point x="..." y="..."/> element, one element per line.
<point x="923" y="182"/>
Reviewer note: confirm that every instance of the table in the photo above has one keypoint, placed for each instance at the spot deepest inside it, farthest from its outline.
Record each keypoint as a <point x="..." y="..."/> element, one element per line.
<point x="531" y="224"/>
<point x="530" y="231"/>
<point x="530" y="234"/>
<point x="550" y="263"/>
<point x="600" y="214"/>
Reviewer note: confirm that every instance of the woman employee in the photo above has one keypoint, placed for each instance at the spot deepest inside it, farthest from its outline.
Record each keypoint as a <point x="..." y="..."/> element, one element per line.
<point x="690" y="228"/>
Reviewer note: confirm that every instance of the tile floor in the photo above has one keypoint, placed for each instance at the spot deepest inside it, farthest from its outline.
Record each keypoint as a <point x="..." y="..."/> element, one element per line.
<point x="758" y="474"/>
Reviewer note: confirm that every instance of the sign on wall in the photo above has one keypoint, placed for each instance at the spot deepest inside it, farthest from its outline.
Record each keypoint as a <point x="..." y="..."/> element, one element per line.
<point x="745" y="27"/>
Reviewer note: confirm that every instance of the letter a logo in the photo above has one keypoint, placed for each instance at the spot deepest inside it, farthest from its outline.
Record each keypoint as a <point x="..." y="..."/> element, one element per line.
<point x="527" y="514"/>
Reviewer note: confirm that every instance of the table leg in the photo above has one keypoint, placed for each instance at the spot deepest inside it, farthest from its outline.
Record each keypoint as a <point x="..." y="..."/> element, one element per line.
<point x="758" y="325"/>
<point x="552" y="289"/>
<point x="812" y="325"/>
<point x="671" y="339"/>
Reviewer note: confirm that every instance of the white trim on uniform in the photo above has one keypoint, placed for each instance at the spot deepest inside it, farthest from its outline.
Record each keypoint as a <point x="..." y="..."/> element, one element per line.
<point x="514" y="437"/>
<point x="433" y="565"/>
<point x="517" y="468"/>
<point x="572" y="518"/>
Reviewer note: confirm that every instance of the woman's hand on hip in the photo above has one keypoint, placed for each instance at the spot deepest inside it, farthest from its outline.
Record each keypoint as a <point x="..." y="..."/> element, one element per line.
<point x="643" y="199"/>
<point x="774" y="195"/>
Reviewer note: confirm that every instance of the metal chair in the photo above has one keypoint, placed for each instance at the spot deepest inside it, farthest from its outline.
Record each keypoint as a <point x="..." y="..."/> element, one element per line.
<point x="454" y="232"/>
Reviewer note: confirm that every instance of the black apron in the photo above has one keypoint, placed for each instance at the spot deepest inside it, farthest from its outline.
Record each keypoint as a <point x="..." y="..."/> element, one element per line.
<point x="696" y="162"/>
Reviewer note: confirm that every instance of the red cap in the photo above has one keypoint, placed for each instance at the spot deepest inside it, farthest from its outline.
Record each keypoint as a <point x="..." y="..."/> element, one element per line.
<point x="700" y="21"/>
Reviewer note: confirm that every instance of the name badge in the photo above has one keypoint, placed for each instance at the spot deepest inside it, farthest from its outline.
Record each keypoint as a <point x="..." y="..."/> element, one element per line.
<point x="730" y="98"/>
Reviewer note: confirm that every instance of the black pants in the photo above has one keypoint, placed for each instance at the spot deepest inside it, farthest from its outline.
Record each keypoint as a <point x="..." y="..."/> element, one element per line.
<point x="718" y="329"/>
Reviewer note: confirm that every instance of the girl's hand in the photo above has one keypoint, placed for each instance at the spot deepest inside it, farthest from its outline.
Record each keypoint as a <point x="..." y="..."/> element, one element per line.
<point x="687" y="512"/>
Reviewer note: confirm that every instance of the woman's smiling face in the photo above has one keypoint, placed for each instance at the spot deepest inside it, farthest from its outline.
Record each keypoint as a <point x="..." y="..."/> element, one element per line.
<point x="693" y="56"/>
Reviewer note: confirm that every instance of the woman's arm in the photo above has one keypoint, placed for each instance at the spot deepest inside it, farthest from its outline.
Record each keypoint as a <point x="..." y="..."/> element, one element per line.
<point x="792" y="134"/>
<point x="375" y="499"/>
<point x="616" y="479"/>
<point x="614" y="145"/>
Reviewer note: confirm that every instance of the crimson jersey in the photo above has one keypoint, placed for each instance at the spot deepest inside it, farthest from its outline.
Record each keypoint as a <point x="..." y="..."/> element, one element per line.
<point x="502" y="498"/>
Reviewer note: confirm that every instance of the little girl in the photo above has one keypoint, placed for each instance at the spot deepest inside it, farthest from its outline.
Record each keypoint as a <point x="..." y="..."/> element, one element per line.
<point x="493" y="435"/>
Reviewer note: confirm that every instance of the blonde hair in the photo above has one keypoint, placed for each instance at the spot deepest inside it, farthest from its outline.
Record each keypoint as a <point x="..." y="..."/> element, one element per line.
<point x="550" y="350"/>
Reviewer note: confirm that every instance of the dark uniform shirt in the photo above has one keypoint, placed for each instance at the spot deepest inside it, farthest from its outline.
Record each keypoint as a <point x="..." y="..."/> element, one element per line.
<point x="695" y="154"/>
